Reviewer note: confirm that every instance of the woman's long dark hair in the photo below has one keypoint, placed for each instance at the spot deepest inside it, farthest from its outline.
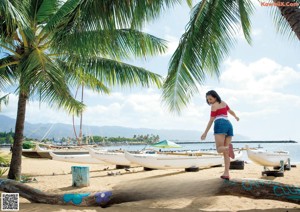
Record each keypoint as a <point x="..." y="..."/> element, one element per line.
<point x="213" y="94"/>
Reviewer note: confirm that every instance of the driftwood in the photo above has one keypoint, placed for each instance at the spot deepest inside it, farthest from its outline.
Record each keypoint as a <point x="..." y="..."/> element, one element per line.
<point x="37" y="196"/>
<point x="252" y="188"/>
<point x="261" y="189"/>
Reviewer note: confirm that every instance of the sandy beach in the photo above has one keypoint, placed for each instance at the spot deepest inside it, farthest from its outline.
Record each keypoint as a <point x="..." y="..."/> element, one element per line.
<point x="157" y="190"/>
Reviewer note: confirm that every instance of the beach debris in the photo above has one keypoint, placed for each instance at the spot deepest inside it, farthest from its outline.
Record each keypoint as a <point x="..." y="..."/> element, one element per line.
<point x="105" y="168"/>
<point x="110" y="173"/>
<point x="114" y="173"/>
<point x="27" y="179"/>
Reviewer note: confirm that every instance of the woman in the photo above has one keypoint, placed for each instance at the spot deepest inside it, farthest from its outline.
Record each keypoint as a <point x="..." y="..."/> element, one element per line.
<point x="223" y="130"/>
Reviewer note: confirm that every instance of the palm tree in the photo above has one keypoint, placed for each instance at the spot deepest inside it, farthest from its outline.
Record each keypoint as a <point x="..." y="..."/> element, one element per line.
<point x="209" y="35"/>
<point x="51" y="45"/>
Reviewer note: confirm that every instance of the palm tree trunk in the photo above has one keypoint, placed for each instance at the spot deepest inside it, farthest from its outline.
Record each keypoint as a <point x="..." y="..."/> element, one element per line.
<point x="16" y="160"/>
<point x="291" y="14"/>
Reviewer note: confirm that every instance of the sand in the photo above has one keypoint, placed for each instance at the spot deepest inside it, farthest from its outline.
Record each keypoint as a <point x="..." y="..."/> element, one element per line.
<point x="157" y="190"/>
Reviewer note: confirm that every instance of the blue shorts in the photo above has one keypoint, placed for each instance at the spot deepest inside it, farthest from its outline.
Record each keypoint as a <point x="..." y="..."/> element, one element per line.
<point x="223" y="126"/>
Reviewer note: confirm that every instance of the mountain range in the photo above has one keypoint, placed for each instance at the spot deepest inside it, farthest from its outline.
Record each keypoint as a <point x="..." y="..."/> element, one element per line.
<point x="59" y="130"/>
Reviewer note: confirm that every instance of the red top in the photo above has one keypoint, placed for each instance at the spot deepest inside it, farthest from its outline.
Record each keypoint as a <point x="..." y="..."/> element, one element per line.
<point x="220" y="112"/>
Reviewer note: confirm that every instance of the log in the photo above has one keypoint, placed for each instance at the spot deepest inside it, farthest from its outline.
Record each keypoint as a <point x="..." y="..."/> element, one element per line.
<point x="252" y="188"/>
<point x="261" y="189"/>
<point x="34" y="195"/>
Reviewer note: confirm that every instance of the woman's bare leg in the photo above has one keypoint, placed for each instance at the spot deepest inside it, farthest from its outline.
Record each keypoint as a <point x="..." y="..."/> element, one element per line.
<point x="223" y="148"/>
<point x="226" y="155"/>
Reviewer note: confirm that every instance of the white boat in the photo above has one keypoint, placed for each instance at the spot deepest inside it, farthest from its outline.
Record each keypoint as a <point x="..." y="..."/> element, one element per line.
<point x="160" y="161"/>
<point x="265" y="158"/>
<point x="116" y="158"/>
<point x="79" y="158"/>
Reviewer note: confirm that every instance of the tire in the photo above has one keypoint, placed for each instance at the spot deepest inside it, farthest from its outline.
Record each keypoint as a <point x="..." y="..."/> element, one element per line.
<point x="237" y="165"/>
<point x="122" y="167"/>
<point x="192" y="169"/>
<point x="286" y="167"/>
<point x="220" y="165"/>
<point x="148" y="169"/>
<point x="273" y="173"/>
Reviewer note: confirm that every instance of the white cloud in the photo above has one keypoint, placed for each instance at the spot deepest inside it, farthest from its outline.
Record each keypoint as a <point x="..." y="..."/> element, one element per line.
<point x="259" y="76"/>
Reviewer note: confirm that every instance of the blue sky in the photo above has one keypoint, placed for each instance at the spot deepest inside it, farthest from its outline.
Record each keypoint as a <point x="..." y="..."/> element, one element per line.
<point x="261" y="83"/>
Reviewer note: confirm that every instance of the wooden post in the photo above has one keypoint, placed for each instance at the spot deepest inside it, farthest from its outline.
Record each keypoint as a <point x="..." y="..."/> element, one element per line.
<point x="80" y="176"/>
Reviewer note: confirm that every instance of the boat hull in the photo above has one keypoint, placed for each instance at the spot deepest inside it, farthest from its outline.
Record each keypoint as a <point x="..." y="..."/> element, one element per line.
<point x="79" y="158"/>
<point x="265" y="158"/>
<point x="116" y="158"/>
<point x="174" y="162"/>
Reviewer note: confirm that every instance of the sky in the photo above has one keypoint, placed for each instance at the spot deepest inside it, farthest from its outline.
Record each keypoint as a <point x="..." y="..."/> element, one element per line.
<point x="260" y="82"/>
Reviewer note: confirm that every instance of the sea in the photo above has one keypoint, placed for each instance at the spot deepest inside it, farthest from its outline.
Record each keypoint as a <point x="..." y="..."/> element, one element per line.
<point x="292" y="148"/>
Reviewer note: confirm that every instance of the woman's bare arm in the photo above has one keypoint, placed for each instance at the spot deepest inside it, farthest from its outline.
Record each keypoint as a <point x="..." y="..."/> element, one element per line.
<point x="231" y="112"/>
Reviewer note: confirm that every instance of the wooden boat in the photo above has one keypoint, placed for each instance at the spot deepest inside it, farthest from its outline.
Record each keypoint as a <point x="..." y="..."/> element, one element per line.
<point x="45" y="153"/>
<point x="116" y="158"/>
<point x="161" y="161"/>
<point x="30" y="153"/>
<point x="265" y="158"/>
<point x="79" y="158"/>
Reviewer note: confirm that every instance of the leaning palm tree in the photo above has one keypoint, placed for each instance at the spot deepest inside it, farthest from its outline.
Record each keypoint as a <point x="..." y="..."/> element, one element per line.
<point x="209" y="36"/>
<point x="51" y="45"/>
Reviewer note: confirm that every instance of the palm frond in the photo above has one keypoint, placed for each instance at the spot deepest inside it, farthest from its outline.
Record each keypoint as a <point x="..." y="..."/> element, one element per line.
<point x="189" y="3"/>
<point x="4" y="100"/>
<point x="7" y="76"/>
<point x="281" y="24"/>
<point x="43" y="10"/>
<point x="42" y="77"/>
<point x="12" y="16"/>
<point x="77" y="77"/>
<point x="142" y="11"/>
<point x="62" y="15"/>
<point x="209" y="35"/>
<point x="120" y="44"/>
<point x="246" y="8"/>
<point x="113" y="73"/>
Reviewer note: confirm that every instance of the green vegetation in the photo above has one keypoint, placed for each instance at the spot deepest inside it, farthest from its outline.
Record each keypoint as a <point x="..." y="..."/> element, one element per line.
<point x="28" y="145"/>
<point x="6" y="138"/>
<point x="4" y="163"/>
<point x="135" y="139"/>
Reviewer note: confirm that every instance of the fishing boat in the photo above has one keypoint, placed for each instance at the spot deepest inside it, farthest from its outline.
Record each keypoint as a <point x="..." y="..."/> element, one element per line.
<point x="265" y="158"/>
<point x="79" y="158"/>
<point x="164" y="161"/>
<point x="116" y="158"/>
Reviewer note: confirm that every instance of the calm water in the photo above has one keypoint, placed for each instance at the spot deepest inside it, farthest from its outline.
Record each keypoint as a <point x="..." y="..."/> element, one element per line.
<point x="292" y="148"/>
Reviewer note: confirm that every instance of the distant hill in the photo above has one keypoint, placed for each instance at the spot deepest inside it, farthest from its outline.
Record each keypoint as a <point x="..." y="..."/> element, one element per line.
<point x="59" y="130"/>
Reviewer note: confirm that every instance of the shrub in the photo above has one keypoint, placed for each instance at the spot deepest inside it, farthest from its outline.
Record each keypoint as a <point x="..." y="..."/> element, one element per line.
<point x="28" y="145"/>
